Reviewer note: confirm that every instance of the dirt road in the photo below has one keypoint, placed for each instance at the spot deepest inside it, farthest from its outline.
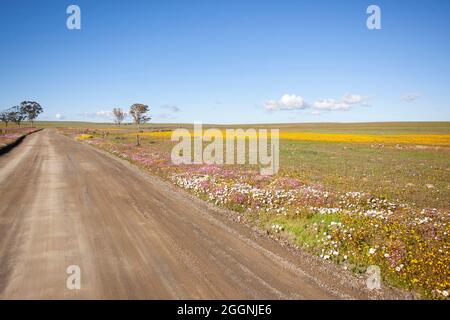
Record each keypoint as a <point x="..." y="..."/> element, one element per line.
<point x="63" y="203"/>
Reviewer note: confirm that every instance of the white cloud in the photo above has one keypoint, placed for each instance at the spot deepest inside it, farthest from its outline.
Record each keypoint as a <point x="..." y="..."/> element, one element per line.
<point x="164" y="116"/>
<point x="103" y="113"/>
<point x="349" y="98"/>
<point x="59" y="116"/>
<point x="98" y="114"/>
<point x="330" y="105"/>
<point x="287" y="102"/>
<point x="409" y="97"/>
<point x="294" y="102"/>
<point x="345" y="103"/>
<point x="171" y="108"/>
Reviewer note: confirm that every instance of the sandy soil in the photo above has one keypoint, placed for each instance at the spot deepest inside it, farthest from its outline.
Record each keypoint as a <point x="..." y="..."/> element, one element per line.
<point x="133" y="236"/>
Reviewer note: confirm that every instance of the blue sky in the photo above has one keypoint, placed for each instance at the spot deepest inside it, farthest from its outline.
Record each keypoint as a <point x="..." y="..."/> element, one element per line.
<point x="228" y="61"/>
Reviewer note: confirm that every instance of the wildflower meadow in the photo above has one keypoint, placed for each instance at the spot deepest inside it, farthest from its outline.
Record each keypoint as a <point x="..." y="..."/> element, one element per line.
<point x="354" y="199"/>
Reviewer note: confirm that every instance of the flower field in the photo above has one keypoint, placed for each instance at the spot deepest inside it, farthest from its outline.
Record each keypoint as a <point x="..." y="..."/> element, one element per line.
<point x="420" y="139"/>
<point x="342" y="197"/>
<point x="424" y="139"/>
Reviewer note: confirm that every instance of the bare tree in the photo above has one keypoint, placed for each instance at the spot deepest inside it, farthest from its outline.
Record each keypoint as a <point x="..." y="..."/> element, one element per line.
<point x="119" y="115"/>
<point x="31" y="110"/>
<point x="139" y="113"/>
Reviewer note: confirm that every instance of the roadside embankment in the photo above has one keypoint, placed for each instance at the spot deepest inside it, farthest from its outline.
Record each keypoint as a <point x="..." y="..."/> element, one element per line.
<point x="9" y="138"/>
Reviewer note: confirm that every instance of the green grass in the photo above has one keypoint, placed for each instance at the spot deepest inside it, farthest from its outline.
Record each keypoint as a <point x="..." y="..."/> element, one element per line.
<point x="299" y="226"/>
<point x="349" y="128"/>
<point x="398" y="174"/>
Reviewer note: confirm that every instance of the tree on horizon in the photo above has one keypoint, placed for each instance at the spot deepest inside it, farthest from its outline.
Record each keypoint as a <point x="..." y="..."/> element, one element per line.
<point x="30" y="110"/>
<point x="139" y="113"/>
